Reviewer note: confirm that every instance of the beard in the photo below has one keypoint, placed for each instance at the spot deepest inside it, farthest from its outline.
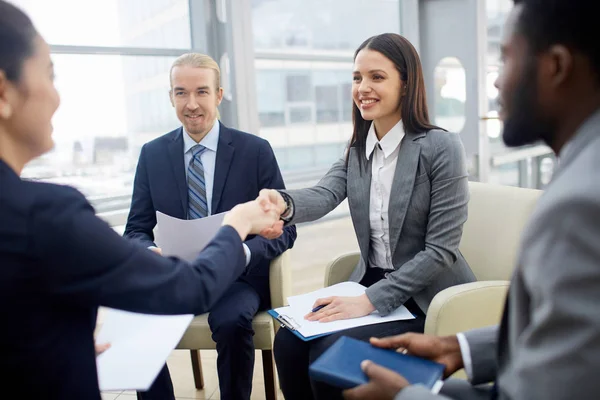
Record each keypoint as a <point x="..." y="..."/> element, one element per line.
<point x="524" y="123"/>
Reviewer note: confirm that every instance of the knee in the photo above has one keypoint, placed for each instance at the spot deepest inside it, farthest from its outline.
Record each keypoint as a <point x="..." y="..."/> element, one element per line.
<point x="287" y="347"/>
<point x="230" y="325"/>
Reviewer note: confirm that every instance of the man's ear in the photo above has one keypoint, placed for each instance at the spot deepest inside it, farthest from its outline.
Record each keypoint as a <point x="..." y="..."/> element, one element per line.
<point x="557" y="65"/>
<point x="219" y="96"/>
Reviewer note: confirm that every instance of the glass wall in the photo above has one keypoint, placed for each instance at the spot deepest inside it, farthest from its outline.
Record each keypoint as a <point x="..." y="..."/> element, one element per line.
<point x="304" y="52"/>
<point x="531" y="166"/>
<point x="112" y="102"/>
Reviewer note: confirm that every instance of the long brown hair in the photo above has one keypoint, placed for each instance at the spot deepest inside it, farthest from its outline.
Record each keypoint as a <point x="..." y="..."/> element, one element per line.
<point x="414" y="112"/>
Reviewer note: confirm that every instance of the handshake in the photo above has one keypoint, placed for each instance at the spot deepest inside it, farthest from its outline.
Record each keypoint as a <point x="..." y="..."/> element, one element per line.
<point x="258" y="217"/>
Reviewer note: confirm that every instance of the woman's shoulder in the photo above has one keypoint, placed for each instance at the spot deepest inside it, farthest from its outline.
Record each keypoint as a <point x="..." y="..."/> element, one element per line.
<point x="438" y="141"/>
<point x="53" y="199"/>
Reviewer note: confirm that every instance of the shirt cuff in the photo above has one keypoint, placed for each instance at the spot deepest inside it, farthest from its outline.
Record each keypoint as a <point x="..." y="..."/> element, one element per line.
<point x="248" y="254"/>
<point x="465" y="351"/>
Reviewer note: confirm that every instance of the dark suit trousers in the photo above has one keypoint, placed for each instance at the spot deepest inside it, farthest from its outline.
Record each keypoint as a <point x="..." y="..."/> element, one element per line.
<point x="293" y="356"/>
<point x="230" y="321"/>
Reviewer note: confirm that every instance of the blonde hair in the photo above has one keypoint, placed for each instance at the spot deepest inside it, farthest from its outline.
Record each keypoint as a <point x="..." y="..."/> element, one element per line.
<point x="198" y="60"/>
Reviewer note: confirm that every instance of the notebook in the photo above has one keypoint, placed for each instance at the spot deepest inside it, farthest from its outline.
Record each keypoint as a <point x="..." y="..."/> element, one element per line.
<point x="292" y="316"/>
<point x="339" y="365"/>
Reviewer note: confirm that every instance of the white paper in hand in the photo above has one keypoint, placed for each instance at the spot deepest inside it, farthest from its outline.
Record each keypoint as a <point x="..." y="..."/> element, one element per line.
<point x="139" y="347"/>
<point x="183" y="238"/>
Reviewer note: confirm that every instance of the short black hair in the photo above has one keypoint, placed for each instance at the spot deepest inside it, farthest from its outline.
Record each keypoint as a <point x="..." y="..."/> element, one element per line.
<point x="16" y="40"/>
<point x="573" y="23"/>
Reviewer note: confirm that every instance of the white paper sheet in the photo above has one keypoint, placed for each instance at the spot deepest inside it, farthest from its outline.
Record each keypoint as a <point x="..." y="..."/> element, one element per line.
<point x="301" y="305"/>
<point x="185" y="238"/>
<point x="140" y="345"/>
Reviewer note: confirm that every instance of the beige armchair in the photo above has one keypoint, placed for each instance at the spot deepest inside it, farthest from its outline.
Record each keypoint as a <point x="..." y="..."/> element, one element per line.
<point x="198" y="335"/>
<point x="490" y="241"/>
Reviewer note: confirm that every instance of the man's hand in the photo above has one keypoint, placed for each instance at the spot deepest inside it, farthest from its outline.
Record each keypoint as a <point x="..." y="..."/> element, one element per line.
<point x="384" y="384"/>
<point x="336" y="308"/>
<point x="101" y="348"/>
<point x="444" y="350"/>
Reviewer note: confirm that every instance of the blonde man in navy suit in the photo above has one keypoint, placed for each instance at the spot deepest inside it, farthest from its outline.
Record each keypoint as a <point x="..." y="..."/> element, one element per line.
<point x="204" y="168"/>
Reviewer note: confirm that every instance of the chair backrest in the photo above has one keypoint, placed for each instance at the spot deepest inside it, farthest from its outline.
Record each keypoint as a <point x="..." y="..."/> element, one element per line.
<point x="492" y="233"/>
<point x="280" y="280"/>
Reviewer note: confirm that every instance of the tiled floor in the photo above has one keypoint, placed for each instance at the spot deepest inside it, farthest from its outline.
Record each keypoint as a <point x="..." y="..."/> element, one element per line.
<point x="317" y="244"/>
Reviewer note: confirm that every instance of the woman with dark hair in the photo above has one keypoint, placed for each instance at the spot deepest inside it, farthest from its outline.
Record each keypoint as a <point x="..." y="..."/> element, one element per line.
<point x="59" y="262"/>
<point x="406" y="184"/>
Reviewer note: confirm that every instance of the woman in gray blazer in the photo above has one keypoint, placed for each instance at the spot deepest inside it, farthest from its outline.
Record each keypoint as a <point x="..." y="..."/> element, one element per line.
<point x="406" y="184"/>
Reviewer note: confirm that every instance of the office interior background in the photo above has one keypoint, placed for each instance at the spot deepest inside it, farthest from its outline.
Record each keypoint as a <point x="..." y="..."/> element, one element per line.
<point x="286" y="67"/>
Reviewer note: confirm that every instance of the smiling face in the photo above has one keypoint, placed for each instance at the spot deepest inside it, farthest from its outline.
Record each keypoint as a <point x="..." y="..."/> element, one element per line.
<point x="195" y="95"/>
<point x="377" y="88"/>
<point x="32" y="101"/>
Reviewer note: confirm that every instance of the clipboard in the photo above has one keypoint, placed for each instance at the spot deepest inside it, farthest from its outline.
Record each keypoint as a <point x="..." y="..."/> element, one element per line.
<point x="291" y="325"/>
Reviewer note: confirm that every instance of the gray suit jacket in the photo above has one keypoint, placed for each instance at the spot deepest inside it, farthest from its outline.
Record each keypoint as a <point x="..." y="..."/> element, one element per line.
<point x="548" y="344"/>
<point x="428" y="207"/>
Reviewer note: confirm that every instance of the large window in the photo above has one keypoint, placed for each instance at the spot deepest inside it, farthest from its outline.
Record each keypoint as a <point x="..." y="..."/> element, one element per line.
<point x="531" y="166"/>
<point x="304" y="52"/>
<point x="112" y="60"/>
<point x="115" y="23"/>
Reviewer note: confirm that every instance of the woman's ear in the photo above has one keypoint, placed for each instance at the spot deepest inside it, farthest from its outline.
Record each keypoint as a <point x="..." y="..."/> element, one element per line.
<point x="5" y="107"/>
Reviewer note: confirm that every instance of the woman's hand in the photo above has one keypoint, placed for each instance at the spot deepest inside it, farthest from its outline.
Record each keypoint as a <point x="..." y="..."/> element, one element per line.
<point x="254" y="217"/>
<point x="336" y="308"/>
<point x="101" y="348"/>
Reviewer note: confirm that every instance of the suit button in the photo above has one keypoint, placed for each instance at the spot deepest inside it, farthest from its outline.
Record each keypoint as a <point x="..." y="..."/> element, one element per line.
<point x="386" y="275"/>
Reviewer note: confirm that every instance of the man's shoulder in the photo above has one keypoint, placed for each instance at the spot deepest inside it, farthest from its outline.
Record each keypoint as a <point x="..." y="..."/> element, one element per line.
<point x="244" y="138"/>
<point x="573" y="194"/>
<point x="162" y="140"/>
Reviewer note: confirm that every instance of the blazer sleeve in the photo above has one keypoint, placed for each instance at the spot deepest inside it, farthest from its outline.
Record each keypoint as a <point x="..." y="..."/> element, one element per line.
<point x="557" y="355"/>
<point x="313" y="203"/>
<point x="483" y="348"/>
<point x="269" y="177"/>
<point x="419" y="392"/>
<point x="142" y="217"/>
<point x="83" y="261"/>
<point x="447" y="214"/>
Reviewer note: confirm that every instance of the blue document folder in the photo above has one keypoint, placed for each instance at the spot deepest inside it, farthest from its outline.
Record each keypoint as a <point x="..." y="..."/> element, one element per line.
<point x="339" y="366"/>
<point x="290" y="326"/>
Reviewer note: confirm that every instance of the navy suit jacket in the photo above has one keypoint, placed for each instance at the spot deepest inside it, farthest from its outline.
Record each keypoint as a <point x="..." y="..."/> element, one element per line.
<point x="59" y="262"/>
<point x="244" y="165"/>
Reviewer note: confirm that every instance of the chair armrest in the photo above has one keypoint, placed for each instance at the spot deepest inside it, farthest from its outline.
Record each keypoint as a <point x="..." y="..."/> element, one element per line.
<point x="464" y="307"/>
<point x="280" y="280"/>
<point x="339" y="270"/>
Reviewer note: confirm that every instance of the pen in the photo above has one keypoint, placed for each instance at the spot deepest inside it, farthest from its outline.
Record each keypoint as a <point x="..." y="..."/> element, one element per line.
<point x="317" y="308"/>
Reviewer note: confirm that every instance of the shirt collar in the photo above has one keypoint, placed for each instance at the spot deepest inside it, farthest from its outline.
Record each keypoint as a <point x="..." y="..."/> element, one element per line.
<point x="210" y="141"/>
<point x="388" y="143"/>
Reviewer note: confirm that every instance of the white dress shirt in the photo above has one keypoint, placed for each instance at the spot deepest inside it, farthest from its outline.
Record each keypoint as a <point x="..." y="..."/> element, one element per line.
<point x="465" y="352"/>
<point x="209" y="160"/>
<point x="385" y="157"/>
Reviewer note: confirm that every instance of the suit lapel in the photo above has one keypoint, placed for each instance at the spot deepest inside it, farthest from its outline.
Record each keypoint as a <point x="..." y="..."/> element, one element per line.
<point x="359" y="197"/>
<point x="177" y="163"/>
<point x="402" y="186"/>
<point x="225" y="151"/>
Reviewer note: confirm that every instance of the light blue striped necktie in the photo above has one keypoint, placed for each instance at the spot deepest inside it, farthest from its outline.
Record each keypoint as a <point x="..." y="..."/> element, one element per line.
<point x="197" y="204"/>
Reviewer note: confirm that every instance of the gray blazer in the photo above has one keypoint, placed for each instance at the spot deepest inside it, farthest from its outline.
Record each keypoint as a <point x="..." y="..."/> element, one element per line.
<point x="428" y="207"/>
<point x="548" y="344"/>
